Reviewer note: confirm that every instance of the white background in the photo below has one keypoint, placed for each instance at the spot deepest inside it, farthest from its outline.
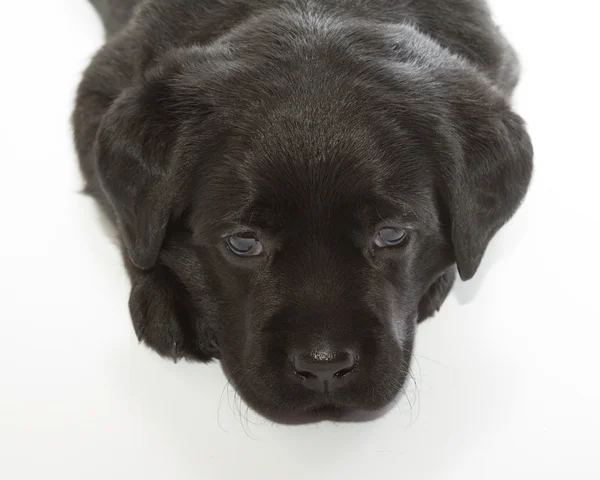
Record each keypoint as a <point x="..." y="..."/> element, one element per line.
<point x="507" y="375"/>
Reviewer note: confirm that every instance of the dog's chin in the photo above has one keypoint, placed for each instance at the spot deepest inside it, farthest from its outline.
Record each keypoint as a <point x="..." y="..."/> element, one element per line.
<point x="323" y="409"/>
<point x="300" y="405"/>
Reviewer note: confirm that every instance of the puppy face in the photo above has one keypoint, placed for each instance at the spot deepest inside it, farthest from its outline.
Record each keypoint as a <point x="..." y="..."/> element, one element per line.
<point x="312" y="222"/>
<point x="322" y="251"/>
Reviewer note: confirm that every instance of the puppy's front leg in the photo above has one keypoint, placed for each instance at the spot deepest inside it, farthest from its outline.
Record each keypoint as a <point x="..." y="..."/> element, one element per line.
<point x="163" y="316"/>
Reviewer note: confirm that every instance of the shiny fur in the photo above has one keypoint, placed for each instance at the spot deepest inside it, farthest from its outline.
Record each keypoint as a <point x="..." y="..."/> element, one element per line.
<point x="312" y="123"/>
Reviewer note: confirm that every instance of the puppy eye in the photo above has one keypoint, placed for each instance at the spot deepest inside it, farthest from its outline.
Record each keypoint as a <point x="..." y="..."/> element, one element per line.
<point x="244" y="245"/>
<point x="390" y="237"/>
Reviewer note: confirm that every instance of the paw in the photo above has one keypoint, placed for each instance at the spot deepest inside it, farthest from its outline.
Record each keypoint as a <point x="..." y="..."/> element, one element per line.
<point x="161" y="315"/>
<point x="437" y="293"/>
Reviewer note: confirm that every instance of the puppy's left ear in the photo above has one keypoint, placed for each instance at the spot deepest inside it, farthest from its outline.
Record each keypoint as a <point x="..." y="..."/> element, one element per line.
<point x="488" y="177"/>
<point x="139" y="167"/>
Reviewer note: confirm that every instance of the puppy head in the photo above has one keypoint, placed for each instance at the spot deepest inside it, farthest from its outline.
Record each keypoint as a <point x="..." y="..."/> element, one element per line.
<point x="327" y="212"/>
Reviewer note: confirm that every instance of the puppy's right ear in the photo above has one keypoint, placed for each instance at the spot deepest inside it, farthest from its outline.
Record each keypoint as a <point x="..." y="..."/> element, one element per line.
<point x="138" y="166"/>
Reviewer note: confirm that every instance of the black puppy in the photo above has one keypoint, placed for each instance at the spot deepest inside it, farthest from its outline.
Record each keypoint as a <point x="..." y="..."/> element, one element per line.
<point x="296" y="181"/>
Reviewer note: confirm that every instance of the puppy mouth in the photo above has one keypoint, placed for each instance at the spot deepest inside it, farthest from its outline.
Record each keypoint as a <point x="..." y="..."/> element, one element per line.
<point x="276" y="380"/>
<point x="302" y="403"/>
<point x="331" y="412"/>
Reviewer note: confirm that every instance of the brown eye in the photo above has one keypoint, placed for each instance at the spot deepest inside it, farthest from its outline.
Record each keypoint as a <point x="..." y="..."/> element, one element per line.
<point x="390" y="237"/>
<point x="244" y="245"/>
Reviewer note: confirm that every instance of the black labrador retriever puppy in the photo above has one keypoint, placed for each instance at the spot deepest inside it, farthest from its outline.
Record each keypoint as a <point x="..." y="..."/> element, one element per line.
<point x="295" y="182"/>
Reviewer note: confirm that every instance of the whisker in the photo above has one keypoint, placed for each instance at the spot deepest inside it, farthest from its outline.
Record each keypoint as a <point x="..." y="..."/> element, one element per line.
<point x="430" y="359"/>
<point x="225" y="388"/>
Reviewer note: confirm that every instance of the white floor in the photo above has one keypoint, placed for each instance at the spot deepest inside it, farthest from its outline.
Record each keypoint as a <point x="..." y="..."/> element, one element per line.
<point x="507" y="375"/>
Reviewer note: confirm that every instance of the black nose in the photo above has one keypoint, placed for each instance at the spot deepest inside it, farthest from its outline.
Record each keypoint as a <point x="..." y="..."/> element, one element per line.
<point x="323" y="370"/>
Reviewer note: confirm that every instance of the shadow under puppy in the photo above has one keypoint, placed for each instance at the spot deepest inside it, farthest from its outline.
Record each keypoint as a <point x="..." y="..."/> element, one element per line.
<point x="296" y="182"/>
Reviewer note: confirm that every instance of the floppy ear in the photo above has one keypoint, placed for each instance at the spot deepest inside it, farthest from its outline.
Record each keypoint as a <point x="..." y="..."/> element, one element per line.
<point x="138" y="167"/>
<point x="489" y="177"/>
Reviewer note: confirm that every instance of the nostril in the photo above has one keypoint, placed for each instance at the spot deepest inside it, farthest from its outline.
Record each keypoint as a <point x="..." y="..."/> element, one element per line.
<point x="344" y="371"/>
<point x="300" y="369"/>
<point x="304" y="374"/>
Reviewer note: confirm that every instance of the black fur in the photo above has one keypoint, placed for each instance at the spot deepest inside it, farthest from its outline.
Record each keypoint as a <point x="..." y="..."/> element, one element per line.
<point x="311" y="123"/>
